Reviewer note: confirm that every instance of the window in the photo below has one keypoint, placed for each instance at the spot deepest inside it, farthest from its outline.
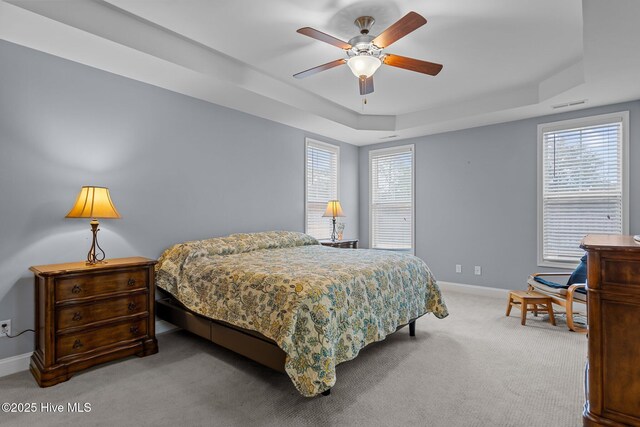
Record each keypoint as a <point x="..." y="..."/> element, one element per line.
<point x="391" y="198"/>
<point x="322" y="162"/>
<point x="582" y="184"/>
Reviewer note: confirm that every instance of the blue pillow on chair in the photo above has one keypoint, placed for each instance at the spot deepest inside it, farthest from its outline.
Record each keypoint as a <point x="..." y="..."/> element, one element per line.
<point x="579" y="275"/>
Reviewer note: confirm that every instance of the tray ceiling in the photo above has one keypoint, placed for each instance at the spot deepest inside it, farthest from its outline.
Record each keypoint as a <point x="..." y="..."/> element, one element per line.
<point x="503" y="59"/>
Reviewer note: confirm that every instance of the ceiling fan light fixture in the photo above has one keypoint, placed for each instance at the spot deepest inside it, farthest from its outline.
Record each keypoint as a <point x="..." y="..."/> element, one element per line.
<point x="364" y="65"/>
<point x="366" y="53"/>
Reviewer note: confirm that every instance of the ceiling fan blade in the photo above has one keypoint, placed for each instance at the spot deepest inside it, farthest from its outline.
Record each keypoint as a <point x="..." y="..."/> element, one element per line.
<point x="366" y="85"/>
<point x="408" y="23"/>
<point x="323" y="37"/>
<point x="323" y="67"/>
<point x="416" y="65"/>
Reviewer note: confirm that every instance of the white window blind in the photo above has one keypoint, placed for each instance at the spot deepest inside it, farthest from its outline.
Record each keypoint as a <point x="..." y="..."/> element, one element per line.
<point x="322" y="162"/>
<point x="391" y="198"/>
<point x="582" y="186"/>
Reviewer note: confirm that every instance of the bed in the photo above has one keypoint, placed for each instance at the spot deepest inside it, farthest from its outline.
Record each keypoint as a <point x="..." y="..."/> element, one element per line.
<point x="292" y="304"/>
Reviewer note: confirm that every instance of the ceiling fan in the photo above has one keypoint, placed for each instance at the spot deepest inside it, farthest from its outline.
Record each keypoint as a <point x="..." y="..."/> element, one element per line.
<point x="365" y="53"/>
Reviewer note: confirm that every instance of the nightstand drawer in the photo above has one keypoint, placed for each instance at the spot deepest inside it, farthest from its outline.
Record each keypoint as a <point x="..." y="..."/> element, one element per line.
<point x="83" y="314"/>
<point x="72" y="344"/>
<point x="82" y="286"/>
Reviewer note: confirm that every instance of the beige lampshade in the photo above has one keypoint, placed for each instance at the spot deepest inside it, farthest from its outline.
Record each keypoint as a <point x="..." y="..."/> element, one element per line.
<point x="333" y="209"/>
<point x="93" y="202"/>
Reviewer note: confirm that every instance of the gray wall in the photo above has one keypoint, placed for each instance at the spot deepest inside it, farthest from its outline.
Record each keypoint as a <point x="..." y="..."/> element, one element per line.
<point x="476" y="195"/>
<point x="178" y="169"/>
<point x="182" y="169"/>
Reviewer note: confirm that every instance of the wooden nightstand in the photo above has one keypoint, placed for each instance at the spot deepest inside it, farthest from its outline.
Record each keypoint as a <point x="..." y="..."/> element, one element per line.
<point x="86" y="315"/>
<point x="347" y="243"/>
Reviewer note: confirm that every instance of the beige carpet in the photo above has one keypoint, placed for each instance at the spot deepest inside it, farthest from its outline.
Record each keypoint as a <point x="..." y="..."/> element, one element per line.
<point x="475" y="368"/>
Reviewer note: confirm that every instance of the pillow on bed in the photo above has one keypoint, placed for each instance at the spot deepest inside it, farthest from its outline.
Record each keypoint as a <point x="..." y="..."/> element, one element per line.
<point x="247" y="242"/>
<point x="241" y="242"/>
<point x="172" y="260"/>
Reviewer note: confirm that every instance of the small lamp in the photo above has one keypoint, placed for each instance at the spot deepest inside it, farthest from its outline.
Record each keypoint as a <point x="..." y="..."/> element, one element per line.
<point x="94" y="202"/>
<point x="333" y="210"/>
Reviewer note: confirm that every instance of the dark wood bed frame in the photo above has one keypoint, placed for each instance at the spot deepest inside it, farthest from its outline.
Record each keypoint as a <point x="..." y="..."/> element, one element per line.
<point x="248" y="343"/>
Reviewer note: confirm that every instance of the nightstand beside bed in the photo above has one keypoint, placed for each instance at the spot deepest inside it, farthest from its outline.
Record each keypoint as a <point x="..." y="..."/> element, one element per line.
<point x="91" y="314"/>
<point x="347" y="243"/>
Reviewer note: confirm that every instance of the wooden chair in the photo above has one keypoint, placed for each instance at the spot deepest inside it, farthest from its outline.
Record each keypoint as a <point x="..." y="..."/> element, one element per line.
<point x="563" y="297"/>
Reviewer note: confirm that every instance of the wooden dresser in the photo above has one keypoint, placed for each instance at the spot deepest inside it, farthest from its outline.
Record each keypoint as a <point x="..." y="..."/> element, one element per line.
<point x="613" y="370"/>
<point x="87" y="315"/>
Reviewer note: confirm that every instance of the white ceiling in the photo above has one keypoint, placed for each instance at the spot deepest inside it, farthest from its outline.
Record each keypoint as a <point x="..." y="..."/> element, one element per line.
<point x="503" y="59"/>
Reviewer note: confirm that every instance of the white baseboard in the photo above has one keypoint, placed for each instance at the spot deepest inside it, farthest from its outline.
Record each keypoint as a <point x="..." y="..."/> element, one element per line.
<point x="11" y="365"/>
<point x="473" y="289"/>
<point x="490" y="292"/>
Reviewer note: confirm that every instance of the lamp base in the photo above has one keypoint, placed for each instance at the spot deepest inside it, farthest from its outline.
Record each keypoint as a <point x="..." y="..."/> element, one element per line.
<point x="93" y="257"/>
<point x="333" y="233"/>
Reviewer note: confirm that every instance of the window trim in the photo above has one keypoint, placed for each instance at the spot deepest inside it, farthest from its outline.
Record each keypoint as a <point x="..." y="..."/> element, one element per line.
<point x="333" y="147"/>
<point x="620" y="116"/>
<point x="399" y="149"/>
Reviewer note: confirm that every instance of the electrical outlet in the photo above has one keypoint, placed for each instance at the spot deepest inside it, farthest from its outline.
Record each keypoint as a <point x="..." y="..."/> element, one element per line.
<point x="458" y="268"/>
<point x="477" y="270"/>
<point x="5" y="328"/>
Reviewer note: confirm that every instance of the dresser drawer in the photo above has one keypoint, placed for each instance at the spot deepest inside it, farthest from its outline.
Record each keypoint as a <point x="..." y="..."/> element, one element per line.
<point x="79" y="315"/>
<point x="619" y="271"/>
<point x="82" y="286"/>
<point x="72" y="344"/>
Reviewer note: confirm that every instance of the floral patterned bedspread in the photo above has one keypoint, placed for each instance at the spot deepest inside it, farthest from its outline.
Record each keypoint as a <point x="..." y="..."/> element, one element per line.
<point x="321" y="305"/>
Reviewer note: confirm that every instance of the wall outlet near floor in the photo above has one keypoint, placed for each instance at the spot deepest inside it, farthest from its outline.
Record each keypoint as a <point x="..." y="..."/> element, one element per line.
<point x="458" y="268"/>
<point x="477" y="270"/>
<point x="5" y="328"/>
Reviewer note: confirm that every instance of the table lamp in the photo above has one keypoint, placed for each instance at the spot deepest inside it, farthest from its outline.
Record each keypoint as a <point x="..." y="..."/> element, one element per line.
<point x="333" y="210"/>
<point x="94" y="203"/>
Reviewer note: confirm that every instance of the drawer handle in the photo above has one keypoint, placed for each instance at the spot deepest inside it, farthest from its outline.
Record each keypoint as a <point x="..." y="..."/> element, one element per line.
<point x="134" y="329"/>
<point x="77" y="316"/>
<point x="76" y="289"/>
<point x="132" y="306"/>
<point x="131" y="282"/>
<point x="77" y="344"/>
